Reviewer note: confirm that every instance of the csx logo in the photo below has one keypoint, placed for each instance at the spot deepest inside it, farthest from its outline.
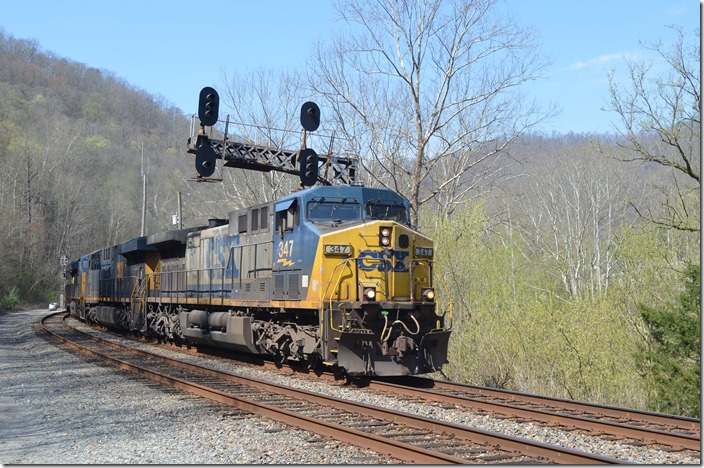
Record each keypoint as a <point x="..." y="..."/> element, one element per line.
<point x="370" y="260"/>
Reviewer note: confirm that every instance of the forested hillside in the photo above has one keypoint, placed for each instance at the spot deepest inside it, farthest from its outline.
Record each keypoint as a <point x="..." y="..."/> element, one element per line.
<point x="569" y="263"/>
<point x="74" y="142"/>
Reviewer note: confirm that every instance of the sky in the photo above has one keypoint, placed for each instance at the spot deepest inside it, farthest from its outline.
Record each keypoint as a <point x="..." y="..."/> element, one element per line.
<point x="173" y="48"/>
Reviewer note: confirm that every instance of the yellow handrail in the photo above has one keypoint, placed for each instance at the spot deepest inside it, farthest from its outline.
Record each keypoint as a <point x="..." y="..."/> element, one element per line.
<point x="337" y="284"/>
<point x="139" y="290"/>
<point x="447" y="294"/>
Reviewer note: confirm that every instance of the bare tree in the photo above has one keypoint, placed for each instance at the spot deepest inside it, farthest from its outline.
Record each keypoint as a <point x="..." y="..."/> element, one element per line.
<point x="264" y="107"/>
<point x="427" y="83"/>
<point x="659" y="118"/>
<point x="573" y="213"/>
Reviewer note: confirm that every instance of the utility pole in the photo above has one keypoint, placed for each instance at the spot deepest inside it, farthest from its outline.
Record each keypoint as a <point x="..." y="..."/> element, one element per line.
<point x="144" y="197"/>
<point x="180" y="211"/>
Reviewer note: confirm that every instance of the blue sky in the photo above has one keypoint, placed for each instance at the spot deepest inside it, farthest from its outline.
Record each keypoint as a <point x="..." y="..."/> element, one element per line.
<point x="174" y="48"/>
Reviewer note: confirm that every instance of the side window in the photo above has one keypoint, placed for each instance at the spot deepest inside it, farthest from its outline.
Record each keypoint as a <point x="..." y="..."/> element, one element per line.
<point x="255" y="219"/>
<point x="242" y="223"/>
<point x="287" y="218"/>
<point x="264" y="218"/>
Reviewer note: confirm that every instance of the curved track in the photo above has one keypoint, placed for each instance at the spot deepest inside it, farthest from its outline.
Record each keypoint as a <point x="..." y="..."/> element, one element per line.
<point x="403" y="436"/>
<point x="632" y="426"/>
<point x="642" y="427"/>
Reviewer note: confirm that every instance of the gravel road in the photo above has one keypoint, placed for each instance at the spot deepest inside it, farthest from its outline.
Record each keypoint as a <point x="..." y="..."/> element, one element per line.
<point x="58" y="408"/>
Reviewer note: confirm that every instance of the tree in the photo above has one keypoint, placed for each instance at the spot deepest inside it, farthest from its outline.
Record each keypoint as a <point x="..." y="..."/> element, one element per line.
<point x="659" y="122"/>
<point x="265" y="107"/>
<point x="66" y="163"/>
<point x="572" y="213"/>
<point x="427" y="84"/>
<point x="673" y="358"/>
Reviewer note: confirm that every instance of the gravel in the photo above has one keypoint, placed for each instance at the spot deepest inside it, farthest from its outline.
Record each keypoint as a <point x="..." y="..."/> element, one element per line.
<point x="58" y="408"/>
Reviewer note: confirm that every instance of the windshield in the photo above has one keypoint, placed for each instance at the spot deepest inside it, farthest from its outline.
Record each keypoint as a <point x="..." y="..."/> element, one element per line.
<point x="334" y="210"/>
<point x="387" y="210"/>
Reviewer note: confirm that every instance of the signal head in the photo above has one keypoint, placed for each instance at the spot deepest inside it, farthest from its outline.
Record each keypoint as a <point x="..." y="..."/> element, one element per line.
<point x="308" y="169"/>
<point x="208" y="104"/>
<point x="205" y="159"/>
<point x="310" y="116"/>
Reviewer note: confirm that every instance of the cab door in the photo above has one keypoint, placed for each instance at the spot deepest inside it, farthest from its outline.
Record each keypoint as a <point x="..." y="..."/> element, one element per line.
<point x="286" y="250"/>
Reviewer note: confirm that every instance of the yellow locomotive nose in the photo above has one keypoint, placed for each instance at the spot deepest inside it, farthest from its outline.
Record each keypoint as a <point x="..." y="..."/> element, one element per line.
<point x="377" y="261"/>
<point x="378" y="300"/>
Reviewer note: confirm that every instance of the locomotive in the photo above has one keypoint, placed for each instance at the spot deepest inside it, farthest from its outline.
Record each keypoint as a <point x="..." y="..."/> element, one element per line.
<point x="331" y="275"/>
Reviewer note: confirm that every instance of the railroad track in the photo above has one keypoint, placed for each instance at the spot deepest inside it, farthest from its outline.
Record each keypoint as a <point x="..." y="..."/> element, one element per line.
<point x="634" y="426"/>
<point x="630" y="426"/>
<point x="400" y="435"/>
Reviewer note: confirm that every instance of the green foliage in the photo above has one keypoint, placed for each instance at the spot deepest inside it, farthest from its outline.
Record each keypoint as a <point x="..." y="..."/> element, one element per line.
<point x="594" y="348"/>
<point x="672" y="358"/>
<point x="66" y="132"/>
<point x="93" y="109"/>
<point x="514" y="328"/>
<point x="10" y="300"/>
<point x="95" y="142"/>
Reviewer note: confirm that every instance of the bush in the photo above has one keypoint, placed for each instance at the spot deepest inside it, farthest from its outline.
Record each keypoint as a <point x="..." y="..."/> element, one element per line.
<point x="11" y="300"/>
<point x="671" y="359"/>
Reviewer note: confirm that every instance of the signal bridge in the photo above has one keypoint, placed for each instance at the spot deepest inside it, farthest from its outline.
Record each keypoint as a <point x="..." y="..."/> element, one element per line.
<point x="311" y="167"/>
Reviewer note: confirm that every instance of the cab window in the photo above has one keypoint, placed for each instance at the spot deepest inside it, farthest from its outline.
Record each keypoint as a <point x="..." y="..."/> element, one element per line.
<point x="387" y="210"/>
<point x="332" y="210"/>
<point x="287" y="215"/>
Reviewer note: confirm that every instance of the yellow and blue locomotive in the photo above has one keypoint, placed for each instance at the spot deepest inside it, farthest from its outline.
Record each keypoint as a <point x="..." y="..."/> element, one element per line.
<point x="332" y="275"/>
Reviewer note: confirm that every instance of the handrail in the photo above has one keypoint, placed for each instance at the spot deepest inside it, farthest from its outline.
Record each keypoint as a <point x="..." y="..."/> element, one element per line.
<point x="357" y="284"/>
<point x="337" y="284"/>
<point x="411" y="269"/>
<point x="449" y="298"/>
<point x="176" y="279"/>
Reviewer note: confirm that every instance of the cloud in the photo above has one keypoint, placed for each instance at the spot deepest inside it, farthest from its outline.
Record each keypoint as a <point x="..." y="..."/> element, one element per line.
<point x="600" y="60"/>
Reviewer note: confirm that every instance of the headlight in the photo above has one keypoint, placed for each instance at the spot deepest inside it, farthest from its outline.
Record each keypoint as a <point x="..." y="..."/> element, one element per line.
<point x="385" y="236"/>
<point x="428" y="294"/>
<point x="369" y="294"/>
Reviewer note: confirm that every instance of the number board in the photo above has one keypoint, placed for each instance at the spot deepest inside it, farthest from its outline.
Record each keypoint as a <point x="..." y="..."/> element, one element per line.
<point x="424" y="251"/>
<point x="338" y="249"/>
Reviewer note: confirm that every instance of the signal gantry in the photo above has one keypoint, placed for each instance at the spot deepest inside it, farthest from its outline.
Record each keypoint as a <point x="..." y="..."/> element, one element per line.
<point x="305" y="162"/>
